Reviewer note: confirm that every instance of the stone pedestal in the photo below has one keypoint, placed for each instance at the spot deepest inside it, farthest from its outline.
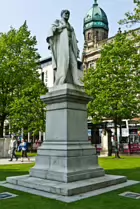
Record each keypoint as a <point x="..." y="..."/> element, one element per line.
<point x="66" y="155"/>
<point x="66" y="164"/>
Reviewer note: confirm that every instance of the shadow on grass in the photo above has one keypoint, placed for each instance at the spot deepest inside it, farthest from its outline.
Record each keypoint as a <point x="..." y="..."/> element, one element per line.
<point x="14" y="170"/>
<point x="132" y="174"/>
<point x="5" y="174"/>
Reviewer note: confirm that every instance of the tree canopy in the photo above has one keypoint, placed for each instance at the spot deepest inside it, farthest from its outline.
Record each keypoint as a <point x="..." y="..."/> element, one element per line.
<point x="19" y="61"/>
<point x="132" y="17"/>
<point x="115" y="83"/>
<point x="28" y="111"/>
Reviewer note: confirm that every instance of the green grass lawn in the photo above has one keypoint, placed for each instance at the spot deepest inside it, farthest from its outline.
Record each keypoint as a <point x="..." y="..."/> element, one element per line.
<point x="128" y="166"/>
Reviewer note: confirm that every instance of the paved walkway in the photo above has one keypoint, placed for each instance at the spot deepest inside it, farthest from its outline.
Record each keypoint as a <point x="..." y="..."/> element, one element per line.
<point x="7" y="162"/>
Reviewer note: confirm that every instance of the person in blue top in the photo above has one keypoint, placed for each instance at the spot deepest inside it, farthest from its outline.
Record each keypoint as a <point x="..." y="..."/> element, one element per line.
<point x="23" y="147"/>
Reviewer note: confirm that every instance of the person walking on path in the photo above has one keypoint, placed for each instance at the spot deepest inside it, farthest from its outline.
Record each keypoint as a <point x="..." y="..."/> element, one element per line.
<point x="23" y="148"/>
<point x="12" y="148"/>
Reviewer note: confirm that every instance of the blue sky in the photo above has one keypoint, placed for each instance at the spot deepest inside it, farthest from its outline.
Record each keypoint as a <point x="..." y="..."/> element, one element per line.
<point x="41" y="13"/>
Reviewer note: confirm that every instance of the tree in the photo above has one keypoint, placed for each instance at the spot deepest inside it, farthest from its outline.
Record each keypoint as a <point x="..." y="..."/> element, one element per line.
<point x="28" y="111"/>
<point x="132" y="17"/>
<point x="19" y="61"/>
<point x="115" y="83"/>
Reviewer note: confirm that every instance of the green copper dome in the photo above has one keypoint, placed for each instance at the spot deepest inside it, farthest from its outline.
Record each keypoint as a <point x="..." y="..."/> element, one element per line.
<point x="95" y="18"/>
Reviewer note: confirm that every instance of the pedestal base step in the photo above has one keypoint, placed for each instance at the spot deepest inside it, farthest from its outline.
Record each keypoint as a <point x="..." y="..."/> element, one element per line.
<point x="66" y="189"/>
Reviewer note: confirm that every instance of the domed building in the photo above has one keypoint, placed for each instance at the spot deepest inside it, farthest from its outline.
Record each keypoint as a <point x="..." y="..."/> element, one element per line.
<point x="95" y="30"/>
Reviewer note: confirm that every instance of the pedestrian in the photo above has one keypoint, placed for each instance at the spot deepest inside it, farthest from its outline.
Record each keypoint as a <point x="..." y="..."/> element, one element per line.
<point x="12" y="149"/>
<point x="24" y="148"/>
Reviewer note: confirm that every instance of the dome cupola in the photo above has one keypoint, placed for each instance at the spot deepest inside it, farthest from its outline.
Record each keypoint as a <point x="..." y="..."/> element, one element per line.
<point x="95" y="18"/>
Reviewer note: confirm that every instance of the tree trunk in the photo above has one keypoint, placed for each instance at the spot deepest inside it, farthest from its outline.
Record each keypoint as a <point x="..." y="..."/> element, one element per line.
<point x="116" y="141"/>
<point x="115" y="126"/>
<point x="109" y="143"/>
<point x="1" y="128"/>
<point x="120" y="131"/>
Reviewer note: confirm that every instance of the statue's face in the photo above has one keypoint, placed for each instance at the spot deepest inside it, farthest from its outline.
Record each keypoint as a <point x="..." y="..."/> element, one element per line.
<point x="66" y="15"/>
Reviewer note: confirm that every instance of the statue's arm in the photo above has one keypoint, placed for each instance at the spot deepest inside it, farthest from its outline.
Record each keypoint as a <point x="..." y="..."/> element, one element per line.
<point x="57" y="27"/>
<point x="51" y="34"/>
<point x="78" y="51"/>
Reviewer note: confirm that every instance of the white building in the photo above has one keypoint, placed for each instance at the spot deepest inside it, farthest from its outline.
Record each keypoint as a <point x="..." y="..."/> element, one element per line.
<point x="47" y="73"/>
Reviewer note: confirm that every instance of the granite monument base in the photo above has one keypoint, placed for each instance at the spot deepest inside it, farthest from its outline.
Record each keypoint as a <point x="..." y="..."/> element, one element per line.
<point x="66" y="164"/>
<point x="66" y="155"/>
<point x="66" y="189"/>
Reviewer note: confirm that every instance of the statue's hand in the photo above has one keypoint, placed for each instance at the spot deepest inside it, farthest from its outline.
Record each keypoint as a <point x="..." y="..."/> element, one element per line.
<point x="62" y="27"/>
<point x="58" y="28"/>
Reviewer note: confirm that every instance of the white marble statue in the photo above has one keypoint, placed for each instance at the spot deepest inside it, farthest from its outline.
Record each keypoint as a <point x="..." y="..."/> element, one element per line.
<point x="63" y="45"/>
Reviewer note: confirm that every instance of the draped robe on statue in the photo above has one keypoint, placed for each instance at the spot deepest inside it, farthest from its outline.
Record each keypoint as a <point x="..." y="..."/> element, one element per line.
<point x="63" y="45"/>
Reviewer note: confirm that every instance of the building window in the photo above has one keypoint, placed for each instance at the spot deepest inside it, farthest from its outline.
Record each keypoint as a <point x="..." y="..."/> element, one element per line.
<point x="89" y="36"/>
<point x="105" y="36"/>
<point x="46" y="77"/>
<point x="42" y="76"/>
<point x="92" y="64"/>
<point x="97" y="35"/>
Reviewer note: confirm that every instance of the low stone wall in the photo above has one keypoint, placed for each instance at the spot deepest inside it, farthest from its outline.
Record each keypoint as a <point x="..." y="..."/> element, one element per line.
<point x="4" y="147"/>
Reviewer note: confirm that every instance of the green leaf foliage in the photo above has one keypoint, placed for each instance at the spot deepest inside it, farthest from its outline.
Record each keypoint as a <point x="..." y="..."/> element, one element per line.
<point x="115" y="83"/>
<point x="28" y="111"/>
<point x="19" y="61"/>
<point x="132" y="18"/>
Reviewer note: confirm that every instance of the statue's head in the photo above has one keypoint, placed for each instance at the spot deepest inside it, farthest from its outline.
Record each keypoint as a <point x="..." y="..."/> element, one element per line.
<point x="65" y="14"/>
